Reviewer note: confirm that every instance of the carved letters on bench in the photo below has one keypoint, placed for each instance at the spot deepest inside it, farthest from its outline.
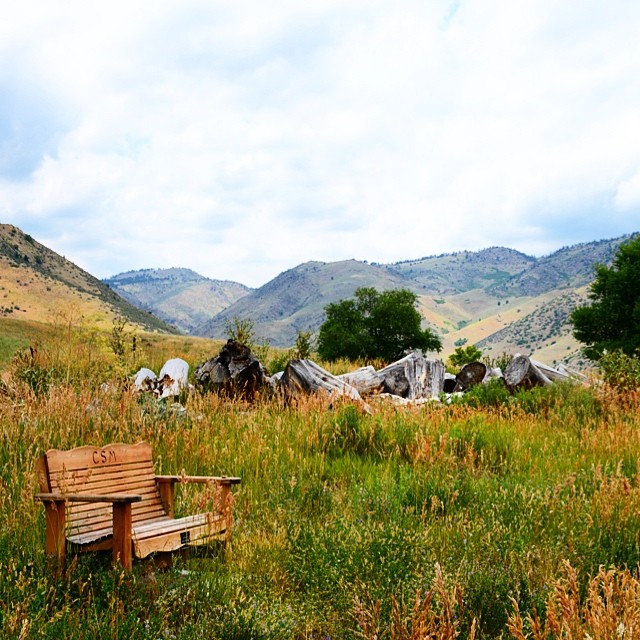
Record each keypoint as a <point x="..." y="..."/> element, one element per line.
<point x="110" y="498"/>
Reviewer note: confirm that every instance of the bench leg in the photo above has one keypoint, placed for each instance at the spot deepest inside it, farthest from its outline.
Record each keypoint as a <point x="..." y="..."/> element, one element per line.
<point x="122" y="534"/>
<point x="224" y="505"/>
<point x="56" y="543"/>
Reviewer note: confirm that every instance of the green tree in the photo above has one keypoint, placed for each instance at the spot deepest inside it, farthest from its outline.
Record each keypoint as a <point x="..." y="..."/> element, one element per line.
<point x="612" y="321"/>
<point x="374" y="325"/>
<point x="241" y="330"/>
<point x="465" y="355"/>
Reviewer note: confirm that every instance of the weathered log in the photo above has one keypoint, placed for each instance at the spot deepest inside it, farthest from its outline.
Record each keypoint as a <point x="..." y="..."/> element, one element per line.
<point x="404" y="402"/>
<point x="234" y="370"/>
<point x="414" y="377"/>
<point x="305" y="377"/>
<point x="366" y="380"/>
<point x="522" y="373"/>
<point x="492" y="374"/>
<point x="555" y="375"/>
<point x="471" y="374"/>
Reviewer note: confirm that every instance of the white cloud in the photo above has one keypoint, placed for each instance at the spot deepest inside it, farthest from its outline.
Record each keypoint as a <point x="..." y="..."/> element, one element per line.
<point x="627" y="196"/>
<point x="241" y="138"/>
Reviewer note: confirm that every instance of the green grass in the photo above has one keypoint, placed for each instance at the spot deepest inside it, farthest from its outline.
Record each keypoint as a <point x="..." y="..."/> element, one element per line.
<point x="16" y="335"/>
<point x="341" y="517"/>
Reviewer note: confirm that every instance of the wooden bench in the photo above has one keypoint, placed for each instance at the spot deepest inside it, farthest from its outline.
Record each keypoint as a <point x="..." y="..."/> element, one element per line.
<point x="110" y="498"/>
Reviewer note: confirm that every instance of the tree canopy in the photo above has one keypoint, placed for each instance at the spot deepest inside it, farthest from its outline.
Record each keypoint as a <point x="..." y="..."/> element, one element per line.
<point x="465" y="355"/>
<point x="374" y="325"/>
<point x="612" y="321"/>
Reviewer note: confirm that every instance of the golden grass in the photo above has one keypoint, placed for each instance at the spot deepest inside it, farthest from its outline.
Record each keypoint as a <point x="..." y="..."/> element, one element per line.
<point x="610" y="610"/>
<point x="432" y="522"/>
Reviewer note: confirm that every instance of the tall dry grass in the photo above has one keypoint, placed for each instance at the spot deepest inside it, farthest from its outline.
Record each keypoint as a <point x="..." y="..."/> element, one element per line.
<point x="609" y="610"/>
<point x="442" y="521"/>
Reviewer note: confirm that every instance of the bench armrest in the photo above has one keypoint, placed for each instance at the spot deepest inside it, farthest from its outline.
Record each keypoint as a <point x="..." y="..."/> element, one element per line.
<point x="86" y="497"/>
<point x="166" y="487"/>
<point x="200" y="479"/>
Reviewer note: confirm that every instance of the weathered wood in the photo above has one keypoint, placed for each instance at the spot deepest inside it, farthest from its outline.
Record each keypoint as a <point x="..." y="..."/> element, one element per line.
<point x="55" y="541"/>
<point x="404" y="402"/>
<point x="414" y="376"/>
<point x="109" y="498"/>
<point x="555" y="375"/>
<point x="366" y="380"/>
<point x="305" y="377"/>
<point x="522" y="373"/>
<point x="471" y="374"/>
<point x="234" y="370"/>
<point x="492" y="374"/>
<point x="122" y="522"/>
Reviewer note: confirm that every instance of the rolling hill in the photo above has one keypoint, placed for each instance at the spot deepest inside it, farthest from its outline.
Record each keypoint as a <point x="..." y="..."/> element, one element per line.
<point x="37" y="284"/>
<point x="453" y="273"/>
<point x="295" y="300"/>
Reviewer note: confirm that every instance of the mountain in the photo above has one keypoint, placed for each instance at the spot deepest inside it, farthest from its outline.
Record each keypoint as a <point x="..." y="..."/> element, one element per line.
<point x="453" y="273"/>
<point x="295" y="300"/>
<point x="39" y="284"/>
<point x="498" y="298"/>
<point x="180" y="297"/>
<point x="569" y="267"/>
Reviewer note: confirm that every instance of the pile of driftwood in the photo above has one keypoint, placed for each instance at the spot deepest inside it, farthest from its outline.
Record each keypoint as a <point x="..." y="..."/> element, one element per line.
<point x="235" y="370"/>
<point x="414" y="379"/>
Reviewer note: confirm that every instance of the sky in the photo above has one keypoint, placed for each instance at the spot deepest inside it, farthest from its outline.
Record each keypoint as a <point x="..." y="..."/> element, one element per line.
<point x="240" y="138"/>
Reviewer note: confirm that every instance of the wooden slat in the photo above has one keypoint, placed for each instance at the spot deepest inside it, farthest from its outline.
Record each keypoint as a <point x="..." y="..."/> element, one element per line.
<point x="85" y="538"/>
<point x="61" y="468"/>
<point x="124" y="475"/>
<point x="102" y="517"/>
<point x="66" y="481"/>
<point x="171" y="535"/>
<point x="92" y="457"/>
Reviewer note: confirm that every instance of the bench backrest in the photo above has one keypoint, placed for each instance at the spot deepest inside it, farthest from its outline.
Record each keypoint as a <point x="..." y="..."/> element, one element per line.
<point x="116" y="468"/>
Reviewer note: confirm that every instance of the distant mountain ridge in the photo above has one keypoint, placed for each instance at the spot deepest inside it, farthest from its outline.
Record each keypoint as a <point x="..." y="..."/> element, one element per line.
<point x="178" y="296"/>
<point x="295" y="300"/>
<point x="500" y="299"/>
<point x="452" y="273"/>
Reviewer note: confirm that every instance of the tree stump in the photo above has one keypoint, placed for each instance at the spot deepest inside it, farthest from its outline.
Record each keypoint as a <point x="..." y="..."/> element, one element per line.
<point x="366" y="380"/>
<point x="470" y="375"/>
<point x="234" y="370"/>
<point x="414" y="377"/>
<point x="522" y="373"/>
<point x="555" y="375"/>
<point x="450" y="383"/>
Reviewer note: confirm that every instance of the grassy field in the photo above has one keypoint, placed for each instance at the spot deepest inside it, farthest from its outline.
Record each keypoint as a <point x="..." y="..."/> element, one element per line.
<point x="506" y="516"/>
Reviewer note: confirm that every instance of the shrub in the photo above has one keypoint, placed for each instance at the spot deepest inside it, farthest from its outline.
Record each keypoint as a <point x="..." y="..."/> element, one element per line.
<point x="620" y="370"/>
